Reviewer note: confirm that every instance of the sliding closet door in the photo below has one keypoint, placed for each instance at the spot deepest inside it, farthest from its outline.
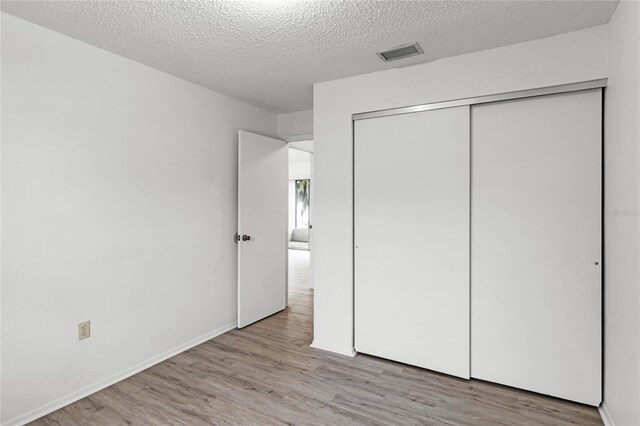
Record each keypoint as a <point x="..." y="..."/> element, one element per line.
<point x="536" y="244"/>
<point x="412" y="239"/>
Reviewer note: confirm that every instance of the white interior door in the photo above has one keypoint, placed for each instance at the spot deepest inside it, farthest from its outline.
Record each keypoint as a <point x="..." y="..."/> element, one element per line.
<point x="263" y="167"/>
<point x="412" y="238"/>
<point x="536" y="244"/>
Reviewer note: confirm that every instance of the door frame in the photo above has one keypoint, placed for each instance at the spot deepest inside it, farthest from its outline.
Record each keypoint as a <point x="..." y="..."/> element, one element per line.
<point x="307" y="139"/>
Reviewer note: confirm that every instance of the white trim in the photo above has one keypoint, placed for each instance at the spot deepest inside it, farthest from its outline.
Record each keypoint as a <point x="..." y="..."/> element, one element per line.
<point x="605" y="415"/>
<point x="335" y="349"/>
<point x="518" y="94"/>
<point x="101" y="384"/>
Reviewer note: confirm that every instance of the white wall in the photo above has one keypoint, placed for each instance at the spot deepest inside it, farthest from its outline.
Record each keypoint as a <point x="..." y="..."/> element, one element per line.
<point x="304" y="145"/>
<point x="299" y="164"/>
<point x="567" y="58"/>
<point x="295" y="125"/>
<point x="292" y="206"/>
<point x="118" y="206"/>
<point x="622" y="221"/>
<point x="0" y="218"/>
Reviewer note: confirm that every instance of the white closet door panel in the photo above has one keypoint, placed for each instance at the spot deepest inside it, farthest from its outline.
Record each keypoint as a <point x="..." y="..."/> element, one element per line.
<point x="536" y="244"/>
<point x="412" y="239"/>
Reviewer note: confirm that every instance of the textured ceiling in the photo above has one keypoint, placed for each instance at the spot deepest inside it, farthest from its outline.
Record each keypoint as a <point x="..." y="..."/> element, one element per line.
<point x="270" y="52"/>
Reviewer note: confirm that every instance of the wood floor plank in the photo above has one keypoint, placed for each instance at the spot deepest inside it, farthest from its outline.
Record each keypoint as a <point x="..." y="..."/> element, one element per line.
<point x="266" y="374"/>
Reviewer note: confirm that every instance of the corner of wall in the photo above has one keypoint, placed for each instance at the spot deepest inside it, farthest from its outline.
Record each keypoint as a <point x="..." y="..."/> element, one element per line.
<point x="605" y="415"/>
<point x="295" y="124"/>
<point x="622" y="229"/>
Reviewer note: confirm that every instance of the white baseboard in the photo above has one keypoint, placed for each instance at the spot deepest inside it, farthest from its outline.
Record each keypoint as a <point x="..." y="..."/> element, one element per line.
<point x="605" y="415"/>
<point x="52" y="406"/>
<point x="332" y="348"/>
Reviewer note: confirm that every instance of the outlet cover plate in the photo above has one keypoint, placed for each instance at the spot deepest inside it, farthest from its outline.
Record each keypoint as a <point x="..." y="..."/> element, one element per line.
<point x="84" y="330"/>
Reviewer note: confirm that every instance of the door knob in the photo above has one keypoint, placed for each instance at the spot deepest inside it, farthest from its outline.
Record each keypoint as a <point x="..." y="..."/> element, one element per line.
<point x="246" y="237"/>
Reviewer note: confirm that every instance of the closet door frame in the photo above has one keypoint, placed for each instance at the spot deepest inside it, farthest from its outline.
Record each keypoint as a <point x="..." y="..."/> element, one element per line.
<point x="506" y="96"/>
<point x="528" y="93"/>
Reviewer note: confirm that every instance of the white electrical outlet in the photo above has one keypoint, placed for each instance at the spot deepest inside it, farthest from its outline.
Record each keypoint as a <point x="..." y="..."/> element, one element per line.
<point x="84" y="330"/>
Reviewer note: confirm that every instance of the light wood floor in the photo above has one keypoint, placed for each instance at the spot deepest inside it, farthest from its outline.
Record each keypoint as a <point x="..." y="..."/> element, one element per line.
<point x="267" y="374"/>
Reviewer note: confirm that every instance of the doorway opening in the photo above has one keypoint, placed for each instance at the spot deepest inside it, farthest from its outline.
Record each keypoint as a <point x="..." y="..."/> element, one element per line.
<point x="300" y="224"/>
<point x="274" y="235"/>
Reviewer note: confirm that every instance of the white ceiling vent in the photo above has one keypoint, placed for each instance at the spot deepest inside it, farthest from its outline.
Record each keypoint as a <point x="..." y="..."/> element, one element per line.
<point x="401" y="52"/>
